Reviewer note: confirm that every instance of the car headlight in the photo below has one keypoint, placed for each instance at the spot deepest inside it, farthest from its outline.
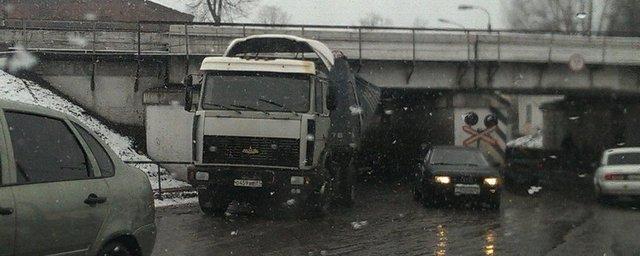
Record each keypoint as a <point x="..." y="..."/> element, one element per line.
<point x="202" y="176"/>
<point x="443" y="179"/>
<point x="491" y="181"/>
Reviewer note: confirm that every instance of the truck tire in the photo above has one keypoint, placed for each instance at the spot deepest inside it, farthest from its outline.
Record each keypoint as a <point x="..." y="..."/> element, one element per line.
<point x="210" y="205"/>
<point x="317" y="204"/>
<point x="345" y="195"/>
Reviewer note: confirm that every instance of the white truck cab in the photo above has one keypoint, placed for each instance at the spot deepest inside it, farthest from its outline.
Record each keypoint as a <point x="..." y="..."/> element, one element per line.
<point x="273" y="131"/>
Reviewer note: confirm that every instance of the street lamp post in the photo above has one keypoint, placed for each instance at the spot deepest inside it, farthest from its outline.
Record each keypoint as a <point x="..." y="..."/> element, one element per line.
<point x="446" y="21"/>
<point x="582" y="15"/>
<point x="464" y="7"/>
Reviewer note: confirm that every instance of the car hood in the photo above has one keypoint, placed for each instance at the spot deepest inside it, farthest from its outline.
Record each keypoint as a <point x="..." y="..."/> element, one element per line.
<point x="450" y="170"/>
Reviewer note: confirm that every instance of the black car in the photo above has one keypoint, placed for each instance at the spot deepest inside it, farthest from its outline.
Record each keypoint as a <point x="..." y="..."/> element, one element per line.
<point x="447" y="173"/>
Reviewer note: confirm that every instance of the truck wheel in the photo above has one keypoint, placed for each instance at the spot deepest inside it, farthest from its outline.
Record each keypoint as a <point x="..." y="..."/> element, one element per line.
<point x="317" y="205"/>
<point x="210" y="205"/>
<point x="346" y="193"/>
<point x="342" y="189"/>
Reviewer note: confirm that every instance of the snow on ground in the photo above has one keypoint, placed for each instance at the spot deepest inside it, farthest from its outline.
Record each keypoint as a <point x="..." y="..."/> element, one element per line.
<point x="16" y="89"/>
<point x="529" y="141"/>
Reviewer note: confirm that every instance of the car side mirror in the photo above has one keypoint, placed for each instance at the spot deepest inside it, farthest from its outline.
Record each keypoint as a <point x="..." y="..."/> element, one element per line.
<point x="331" y="98"/>
<point x="188" y="92"/>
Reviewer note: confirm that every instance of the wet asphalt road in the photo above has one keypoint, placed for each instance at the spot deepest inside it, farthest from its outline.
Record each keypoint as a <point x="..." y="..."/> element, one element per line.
<point x="562" y="219"/>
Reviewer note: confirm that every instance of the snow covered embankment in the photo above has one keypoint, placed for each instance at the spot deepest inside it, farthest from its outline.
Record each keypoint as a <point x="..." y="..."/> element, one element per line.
<point x="16" y="89"/>
<point x="528" y="141"/>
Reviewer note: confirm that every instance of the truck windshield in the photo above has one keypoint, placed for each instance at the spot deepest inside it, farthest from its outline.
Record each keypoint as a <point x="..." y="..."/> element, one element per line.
<point x="273" y="92"/>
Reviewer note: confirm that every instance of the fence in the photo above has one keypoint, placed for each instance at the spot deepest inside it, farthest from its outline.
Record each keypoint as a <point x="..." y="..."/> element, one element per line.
<point x="200" y="38"/>
<point x="159" y="191"/>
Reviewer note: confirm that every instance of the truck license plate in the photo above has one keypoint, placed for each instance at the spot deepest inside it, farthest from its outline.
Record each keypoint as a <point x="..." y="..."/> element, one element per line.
<point x="248" y="183"/>
<point x="464" y="189"/>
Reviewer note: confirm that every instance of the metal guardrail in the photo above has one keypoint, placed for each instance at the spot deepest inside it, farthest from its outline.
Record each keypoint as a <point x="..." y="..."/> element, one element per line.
<point x="151" y="38"/>
<point x="158" y="164"/>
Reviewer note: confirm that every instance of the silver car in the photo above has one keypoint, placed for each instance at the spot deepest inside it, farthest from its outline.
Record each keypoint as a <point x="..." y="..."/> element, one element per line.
<point x="63" y="192"/>
<point x="618" y="174"/>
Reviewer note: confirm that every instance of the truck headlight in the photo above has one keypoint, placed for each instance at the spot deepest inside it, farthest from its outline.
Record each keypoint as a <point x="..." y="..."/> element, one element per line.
<point x="202" y="176"/>
<point x="443" y="179"/>
<point x="310" y="137"/>
<point x="491" y="181"/>
<point x="297" y="180"/>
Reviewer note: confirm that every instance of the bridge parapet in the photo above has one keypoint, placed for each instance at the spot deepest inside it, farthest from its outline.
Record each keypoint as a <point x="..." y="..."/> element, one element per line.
<point x="360" y="43"/>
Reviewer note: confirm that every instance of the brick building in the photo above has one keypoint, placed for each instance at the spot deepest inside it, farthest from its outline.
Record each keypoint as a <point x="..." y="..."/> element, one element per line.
<point x="99" y="10"/>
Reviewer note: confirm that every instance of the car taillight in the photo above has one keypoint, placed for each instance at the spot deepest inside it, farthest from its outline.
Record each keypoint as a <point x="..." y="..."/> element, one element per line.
<point x="613" y="176"/>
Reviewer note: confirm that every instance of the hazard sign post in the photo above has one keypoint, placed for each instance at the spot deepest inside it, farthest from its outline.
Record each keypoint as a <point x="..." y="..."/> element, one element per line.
<point x="477" y="135"/>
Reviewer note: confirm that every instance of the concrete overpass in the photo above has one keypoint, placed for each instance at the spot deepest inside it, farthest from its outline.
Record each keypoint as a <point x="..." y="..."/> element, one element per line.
<point x="107" y="66"/>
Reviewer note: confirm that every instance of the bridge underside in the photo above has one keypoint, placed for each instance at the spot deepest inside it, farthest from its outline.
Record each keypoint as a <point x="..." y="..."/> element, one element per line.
<point x="513" y="78"/>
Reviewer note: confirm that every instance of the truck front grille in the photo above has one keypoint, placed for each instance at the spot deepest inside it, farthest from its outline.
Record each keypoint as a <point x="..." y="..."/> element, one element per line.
<point x="251" y="150"/>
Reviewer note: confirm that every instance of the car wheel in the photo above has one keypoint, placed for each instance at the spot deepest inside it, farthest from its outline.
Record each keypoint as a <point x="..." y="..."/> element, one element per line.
<point x="431" y="200"/>
<point x="603" y="198"/>
<point x="116" y="249"/>
<point x="210" y="205"/>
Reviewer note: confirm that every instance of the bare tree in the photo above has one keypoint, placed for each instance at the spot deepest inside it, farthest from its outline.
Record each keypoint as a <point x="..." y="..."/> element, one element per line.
<point x="545" y="14"/>
<point x="270" y="14"/>
<point x="375" y="20"/>
<point x="420" y="22"/>
<point x="220" y="10"/>
<point x="624" y="19"/>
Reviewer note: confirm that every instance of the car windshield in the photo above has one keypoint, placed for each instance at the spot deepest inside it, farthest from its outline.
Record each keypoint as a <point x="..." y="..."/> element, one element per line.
<point x="270" y="92"/>
<point x="624" y="158"/>
<point x="458" y="157"/>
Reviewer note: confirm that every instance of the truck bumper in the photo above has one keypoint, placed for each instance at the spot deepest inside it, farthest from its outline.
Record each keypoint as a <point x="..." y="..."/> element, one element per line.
<point x="276" y="184"/>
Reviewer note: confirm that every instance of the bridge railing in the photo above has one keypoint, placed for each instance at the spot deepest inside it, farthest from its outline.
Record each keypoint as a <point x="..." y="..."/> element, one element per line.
<point x="357" y="42"/>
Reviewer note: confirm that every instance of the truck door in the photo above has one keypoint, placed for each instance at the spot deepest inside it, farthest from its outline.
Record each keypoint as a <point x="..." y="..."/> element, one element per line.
<point x="62" y="205"/>
<point x="323" y="123"/>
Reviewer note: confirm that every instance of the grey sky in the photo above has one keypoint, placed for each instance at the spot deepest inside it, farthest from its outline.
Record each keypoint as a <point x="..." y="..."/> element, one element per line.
<point x="401" y="12"/>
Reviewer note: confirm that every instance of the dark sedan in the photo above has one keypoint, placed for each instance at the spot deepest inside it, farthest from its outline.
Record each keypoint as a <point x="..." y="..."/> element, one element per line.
<point x="448" y="173"/>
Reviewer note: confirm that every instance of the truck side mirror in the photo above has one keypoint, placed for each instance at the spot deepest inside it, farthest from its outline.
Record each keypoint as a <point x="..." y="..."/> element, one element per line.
<point x="331" y="98"/>
<point x="188" y="92"/>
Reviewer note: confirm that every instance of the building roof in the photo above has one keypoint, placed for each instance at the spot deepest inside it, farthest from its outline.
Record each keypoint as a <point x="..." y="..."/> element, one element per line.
<point x="258" y="65"/>
<point x="101" y="10"/>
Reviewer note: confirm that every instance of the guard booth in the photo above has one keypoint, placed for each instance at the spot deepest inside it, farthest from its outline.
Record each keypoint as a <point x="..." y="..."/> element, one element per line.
<point x="593" y="124"/>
